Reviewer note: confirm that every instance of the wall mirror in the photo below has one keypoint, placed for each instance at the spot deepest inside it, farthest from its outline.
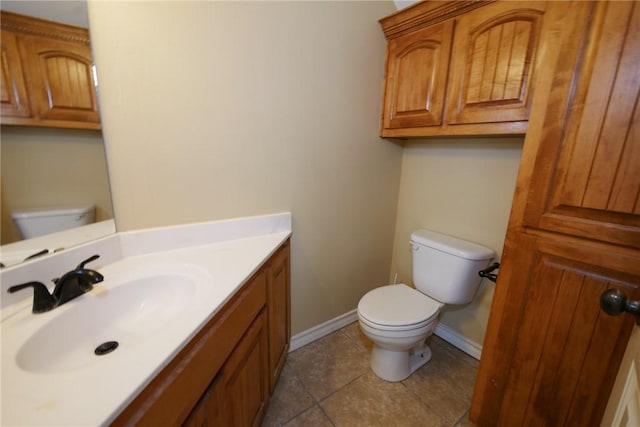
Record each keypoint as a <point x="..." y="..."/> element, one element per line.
<point x="47" y="167"/>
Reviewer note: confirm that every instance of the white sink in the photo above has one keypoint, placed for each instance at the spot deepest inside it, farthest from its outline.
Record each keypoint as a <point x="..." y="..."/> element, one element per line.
<point x="128" y="314"/>
<point x="136" y="303"/>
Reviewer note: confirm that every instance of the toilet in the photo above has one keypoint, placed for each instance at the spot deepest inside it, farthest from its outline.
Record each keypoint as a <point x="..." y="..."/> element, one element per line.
<point x="38" y="222"/>
<point x="398" y="318"/>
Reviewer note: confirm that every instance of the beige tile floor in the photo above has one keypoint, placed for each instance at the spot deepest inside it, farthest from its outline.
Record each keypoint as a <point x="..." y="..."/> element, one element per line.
<point x="329" y="383"/>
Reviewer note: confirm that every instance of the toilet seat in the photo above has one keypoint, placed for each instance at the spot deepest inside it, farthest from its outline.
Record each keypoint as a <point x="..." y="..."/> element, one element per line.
<point x="397" y="308"/>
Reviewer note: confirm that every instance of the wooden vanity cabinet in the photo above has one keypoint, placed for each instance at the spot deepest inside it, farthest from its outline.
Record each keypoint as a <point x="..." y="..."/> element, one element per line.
<point x="210" y="410"/>
<point x="239" y="393"/>
<point x="460" y="68"/>
<point x="225" y="375"/>
<point x="47" y="74"/>
<point x="279" y="312"/>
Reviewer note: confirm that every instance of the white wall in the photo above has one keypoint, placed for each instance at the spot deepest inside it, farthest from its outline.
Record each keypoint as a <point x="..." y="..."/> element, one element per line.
<point x="461" y="187"/>
<point x="223" y="109"/>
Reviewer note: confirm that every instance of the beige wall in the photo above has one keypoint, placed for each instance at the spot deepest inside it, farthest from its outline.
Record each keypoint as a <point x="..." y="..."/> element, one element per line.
<point x="223" y="109"/>
<point x="461" y="187"/>
<point x="44" y="167"/>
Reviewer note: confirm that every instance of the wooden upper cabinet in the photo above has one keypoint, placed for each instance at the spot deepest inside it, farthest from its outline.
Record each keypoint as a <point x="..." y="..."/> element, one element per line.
<point x="594" y="191"/>
<point x="416" y="77"/>
<point x="14" y="93"/>
<point x="491" y="71"/>
<point x="460" y="68"/>
<point x="61" y="79"/>
<point x="47" y="75"/>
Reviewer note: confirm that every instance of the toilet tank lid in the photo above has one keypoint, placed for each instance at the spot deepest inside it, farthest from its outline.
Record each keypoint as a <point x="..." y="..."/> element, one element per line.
<point x="52" y="211"/>
<point x="452" y="245"/>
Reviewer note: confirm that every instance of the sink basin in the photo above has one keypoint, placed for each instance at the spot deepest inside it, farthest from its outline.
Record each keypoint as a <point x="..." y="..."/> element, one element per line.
<point x="128" y="312"/>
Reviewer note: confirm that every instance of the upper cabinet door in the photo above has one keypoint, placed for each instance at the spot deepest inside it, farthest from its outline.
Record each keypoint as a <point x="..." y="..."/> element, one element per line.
<point x="417" y="67"/>
<point x="493" y="65"/>
<point x="14" y="93"/>
<point x="594" y="191"/>
<point x="47" y="74"/>
<point x="62" y="79"/>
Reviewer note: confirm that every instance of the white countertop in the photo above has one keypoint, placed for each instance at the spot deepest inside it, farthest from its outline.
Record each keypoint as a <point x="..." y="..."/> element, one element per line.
<point x="15" y="253"/>
<point x="94" y="390"/>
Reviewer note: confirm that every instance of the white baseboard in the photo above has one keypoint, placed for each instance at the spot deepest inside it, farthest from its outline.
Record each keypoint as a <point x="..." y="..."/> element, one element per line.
<point x="321" y="330"/>
<point x="458" y="340"/>
<point x="454" y="338"/>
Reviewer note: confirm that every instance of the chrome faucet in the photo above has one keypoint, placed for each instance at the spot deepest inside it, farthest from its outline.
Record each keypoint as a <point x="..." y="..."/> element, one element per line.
<point x="71" y="285"/>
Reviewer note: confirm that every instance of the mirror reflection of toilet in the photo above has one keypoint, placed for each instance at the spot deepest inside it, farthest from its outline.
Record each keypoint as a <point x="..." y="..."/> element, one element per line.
<point x="39" y="222"/>
<point x="398" y="318"/>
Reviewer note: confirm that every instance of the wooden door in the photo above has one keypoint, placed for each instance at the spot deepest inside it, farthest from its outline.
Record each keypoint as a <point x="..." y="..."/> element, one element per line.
<point x="493" y="67"/>
<point x="14" y="93"/>
<point x="61" y="77"/>
<point x="416" y="77"/>
<point x="551" y="355"/>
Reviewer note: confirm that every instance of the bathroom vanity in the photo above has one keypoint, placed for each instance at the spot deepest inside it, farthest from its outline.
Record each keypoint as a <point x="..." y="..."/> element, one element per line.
<point x="201" y="315"/>
<point x="225" y="374"/>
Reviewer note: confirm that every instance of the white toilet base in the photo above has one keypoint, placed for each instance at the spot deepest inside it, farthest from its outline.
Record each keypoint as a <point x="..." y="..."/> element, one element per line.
<point x="395" y="366"/>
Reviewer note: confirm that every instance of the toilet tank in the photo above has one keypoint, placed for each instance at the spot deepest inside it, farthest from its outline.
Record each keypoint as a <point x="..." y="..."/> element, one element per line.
<point x="445" y="267"/>
<point x="40" y="221"/>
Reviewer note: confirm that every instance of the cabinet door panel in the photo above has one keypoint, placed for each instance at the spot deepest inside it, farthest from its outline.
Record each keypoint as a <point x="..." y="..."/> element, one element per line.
<point x="556" y="346"/>
<point x="245" y="374"/>
<point x="595" y="190"/>
<point x="62" y="78"/>
<point x="14" y="93"/>
<point x="279" y="313"/>
<point x="417" y="67"/>
<point x="492" y="69"/>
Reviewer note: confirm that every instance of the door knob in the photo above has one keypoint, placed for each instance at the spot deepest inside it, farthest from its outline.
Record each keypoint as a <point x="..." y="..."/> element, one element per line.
<point x="614" y="302"/>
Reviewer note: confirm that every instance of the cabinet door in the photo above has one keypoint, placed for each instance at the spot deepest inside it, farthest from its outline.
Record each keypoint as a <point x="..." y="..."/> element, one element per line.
<point x="493" y="65"/>
<point x="211" y="410"/>
<point x="416" y="77"/>
<point x="593" y="188"/>
<point x="279" y="298"/>
<point x="552" y="357"/>
<point x="551" y="354"/>
<point x="61" y="78"/>
<point x="14" y="93"/>
<point x="246" y="377"/>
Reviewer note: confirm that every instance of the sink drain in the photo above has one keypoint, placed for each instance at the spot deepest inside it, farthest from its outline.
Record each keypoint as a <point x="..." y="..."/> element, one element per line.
<point x="106" y="348"/>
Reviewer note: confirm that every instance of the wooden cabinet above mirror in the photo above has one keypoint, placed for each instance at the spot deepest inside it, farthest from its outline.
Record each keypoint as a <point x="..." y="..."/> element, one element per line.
<point x="460" y="68"/>
<point x="47" y="74"/>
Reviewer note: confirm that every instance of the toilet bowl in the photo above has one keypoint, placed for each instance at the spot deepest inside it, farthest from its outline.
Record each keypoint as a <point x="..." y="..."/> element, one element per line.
<point x="398" y="318"/>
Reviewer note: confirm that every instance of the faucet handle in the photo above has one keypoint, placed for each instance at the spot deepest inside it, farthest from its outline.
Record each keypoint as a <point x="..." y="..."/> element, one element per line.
<point x="42" y="299"/>
<point x="86" y="261"/>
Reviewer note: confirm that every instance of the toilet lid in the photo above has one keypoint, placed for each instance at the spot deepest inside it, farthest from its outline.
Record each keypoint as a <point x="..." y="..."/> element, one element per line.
<point x="397" y="305"/>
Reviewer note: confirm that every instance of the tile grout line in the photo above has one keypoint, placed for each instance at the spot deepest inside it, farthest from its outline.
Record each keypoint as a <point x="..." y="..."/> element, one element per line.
<point x="352" y="341"/>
